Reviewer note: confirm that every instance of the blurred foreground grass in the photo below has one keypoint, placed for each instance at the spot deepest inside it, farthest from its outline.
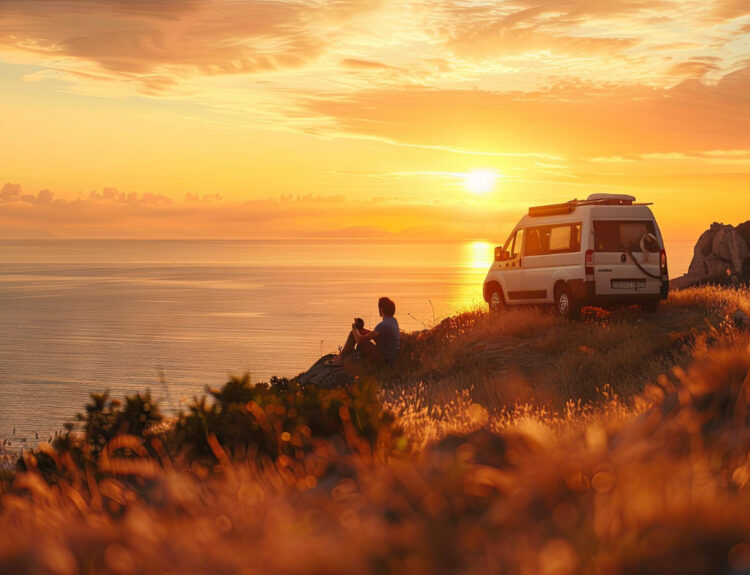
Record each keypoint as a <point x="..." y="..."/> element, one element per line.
<point x="501" y="444"/>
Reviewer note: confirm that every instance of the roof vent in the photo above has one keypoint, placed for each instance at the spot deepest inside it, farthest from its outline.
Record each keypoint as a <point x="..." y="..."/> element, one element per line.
<point x="614" y="199"/>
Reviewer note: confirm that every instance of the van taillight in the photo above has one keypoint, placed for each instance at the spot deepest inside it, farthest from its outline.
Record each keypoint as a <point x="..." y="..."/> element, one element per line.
<point x="663" y="264"/>
<point x="589" y="262"/>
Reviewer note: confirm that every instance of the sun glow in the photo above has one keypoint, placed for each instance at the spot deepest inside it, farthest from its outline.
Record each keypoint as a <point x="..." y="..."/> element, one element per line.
<point x="480" y="181"/>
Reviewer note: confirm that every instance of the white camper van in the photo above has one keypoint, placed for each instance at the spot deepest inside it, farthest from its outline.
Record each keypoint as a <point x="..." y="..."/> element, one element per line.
<point x="604" y="250"/>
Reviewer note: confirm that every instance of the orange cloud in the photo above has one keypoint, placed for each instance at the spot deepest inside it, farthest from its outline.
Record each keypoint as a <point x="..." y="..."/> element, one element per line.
<point x="157" y="43"/>
<point x="571" y="120"/>
<point x="731" y="8"/>
<point x="494" y="29"/>
<point x="697" y="68"/>
<point x="366" y="64"/>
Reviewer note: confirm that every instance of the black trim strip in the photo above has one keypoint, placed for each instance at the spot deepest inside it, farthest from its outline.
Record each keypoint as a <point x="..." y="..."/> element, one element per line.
<point x="528" y="294"/>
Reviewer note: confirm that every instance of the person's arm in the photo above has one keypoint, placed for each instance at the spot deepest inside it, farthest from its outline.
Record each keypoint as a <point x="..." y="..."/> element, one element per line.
<point x="360" y="337"/>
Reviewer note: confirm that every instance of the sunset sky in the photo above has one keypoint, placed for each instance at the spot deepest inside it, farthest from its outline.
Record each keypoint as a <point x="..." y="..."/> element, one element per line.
<point x="230" y="118"/>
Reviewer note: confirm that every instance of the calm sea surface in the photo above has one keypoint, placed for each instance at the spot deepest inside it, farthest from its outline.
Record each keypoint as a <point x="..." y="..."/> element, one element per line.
<point x="78" y="316"/>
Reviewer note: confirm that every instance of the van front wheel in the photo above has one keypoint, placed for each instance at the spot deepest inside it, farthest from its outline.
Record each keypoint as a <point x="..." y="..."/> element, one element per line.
<point x="496" y="301"/>
<point x="565" y="305"/>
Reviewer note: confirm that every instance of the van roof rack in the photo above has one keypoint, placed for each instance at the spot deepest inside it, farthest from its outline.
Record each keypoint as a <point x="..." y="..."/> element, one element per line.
<point x="592" y="200"/>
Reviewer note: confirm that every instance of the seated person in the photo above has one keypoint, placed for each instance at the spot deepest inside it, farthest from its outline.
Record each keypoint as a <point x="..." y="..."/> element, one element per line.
<point x="379" y="346"/>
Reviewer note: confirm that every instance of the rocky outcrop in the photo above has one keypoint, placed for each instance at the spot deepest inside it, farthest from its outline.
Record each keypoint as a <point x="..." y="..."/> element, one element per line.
<point x="324" y="376"/>
<point x="721" y="256"/>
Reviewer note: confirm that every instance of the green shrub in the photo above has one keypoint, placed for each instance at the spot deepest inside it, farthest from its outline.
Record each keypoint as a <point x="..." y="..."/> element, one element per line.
<point x="280" y="418"/>
<point x="239" y="422"/>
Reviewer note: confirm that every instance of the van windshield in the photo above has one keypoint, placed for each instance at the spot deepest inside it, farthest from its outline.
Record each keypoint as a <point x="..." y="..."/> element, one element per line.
<point x="618" y="236"/>
<point x="514" y="243"/>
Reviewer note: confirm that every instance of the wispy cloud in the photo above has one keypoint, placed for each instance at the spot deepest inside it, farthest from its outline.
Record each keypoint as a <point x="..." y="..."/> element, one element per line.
<point x="158" y="43"/>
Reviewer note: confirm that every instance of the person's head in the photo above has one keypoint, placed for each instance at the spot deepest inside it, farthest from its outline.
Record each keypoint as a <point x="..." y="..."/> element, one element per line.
<point x="386" y="307"/>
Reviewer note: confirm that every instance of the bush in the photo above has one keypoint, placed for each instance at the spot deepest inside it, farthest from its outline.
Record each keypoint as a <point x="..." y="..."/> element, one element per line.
<point x="280" y="418"/>
<point x="255" y="423"/>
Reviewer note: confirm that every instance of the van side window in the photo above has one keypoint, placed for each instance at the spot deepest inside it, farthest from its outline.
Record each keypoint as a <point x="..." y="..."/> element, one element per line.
<point x="560" y="239"/>
<point x="534" y="242"/>
<point x="517" y="243"/>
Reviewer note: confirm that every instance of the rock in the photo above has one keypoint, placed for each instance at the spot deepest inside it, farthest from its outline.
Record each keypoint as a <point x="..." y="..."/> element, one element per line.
<point x="721" y="256"/>
<point x="324" y="376"/>
<point x="720" y="251"/>
<point x="744" y="230"/>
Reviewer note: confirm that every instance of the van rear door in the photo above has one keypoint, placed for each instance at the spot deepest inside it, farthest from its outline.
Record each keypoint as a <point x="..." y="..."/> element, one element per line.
<point x="615" y="272"/>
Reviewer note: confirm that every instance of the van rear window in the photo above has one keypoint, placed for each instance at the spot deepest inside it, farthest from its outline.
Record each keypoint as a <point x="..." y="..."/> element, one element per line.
<point x="617" y="236"/>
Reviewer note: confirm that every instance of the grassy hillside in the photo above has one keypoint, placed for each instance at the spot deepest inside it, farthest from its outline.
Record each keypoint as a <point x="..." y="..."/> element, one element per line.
<point x="516" y="443"/>
<point x="530" y="360"/>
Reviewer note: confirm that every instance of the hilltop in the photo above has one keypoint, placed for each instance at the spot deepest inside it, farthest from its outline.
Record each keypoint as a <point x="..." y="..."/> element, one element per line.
<point x="530" y="356"/>
<point x="513" y="443"/>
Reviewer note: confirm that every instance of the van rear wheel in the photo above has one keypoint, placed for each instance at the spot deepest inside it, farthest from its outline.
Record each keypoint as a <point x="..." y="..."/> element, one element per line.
<point x="565" y="305"/>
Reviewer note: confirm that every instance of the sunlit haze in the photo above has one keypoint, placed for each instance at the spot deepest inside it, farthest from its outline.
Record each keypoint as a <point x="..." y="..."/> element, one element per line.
<point x="327" y="118"/>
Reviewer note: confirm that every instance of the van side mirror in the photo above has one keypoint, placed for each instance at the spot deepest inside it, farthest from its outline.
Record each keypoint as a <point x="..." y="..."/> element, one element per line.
<point x="501" y="255"/>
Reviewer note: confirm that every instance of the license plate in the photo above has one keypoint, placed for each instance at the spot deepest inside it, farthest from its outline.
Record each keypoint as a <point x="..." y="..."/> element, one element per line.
<point x="628" y="284"/>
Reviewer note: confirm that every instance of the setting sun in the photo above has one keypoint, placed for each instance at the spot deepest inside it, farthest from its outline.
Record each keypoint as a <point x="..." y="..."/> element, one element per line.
<point x="480" y="181"/>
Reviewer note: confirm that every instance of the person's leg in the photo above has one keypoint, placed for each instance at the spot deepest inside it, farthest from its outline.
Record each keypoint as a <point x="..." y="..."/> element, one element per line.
<point x="348" y="346"/>
<point x="351" y="343"/>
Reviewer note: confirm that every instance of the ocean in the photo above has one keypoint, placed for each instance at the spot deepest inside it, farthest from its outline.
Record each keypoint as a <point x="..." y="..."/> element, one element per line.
<point x="82" y="316"/>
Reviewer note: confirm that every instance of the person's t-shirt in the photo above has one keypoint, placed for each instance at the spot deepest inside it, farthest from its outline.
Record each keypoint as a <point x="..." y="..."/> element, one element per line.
<point x="388" y="338"/>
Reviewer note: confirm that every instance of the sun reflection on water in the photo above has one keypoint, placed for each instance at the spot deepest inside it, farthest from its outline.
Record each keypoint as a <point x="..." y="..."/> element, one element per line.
<point x="475" y="258"/>
<point x="476" y="255"/>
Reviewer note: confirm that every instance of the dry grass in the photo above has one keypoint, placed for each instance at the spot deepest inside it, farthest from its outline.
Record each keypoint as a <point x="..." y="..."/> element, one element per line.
<point x="529" y="356"/>
<point x="656" y="482"/>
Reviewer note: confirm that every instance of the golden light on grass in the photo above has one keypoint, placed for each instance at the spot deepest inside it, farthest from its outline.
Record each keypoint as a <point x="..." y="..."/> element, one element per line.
<point x="480" y="181"/>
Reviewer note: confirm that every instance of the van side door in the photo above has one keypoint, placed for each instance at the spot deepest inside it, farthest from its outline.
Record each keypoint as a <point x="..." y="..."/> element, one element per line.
<point x="552" y="252"/>
<point x="510" y="269"/>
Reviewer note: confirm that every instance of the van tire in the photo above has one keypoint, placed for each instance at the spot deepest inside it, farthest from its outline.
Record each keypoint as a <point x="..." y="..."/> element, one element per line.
<point x="495" y="299"/>
<point x="565" y="305"/>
